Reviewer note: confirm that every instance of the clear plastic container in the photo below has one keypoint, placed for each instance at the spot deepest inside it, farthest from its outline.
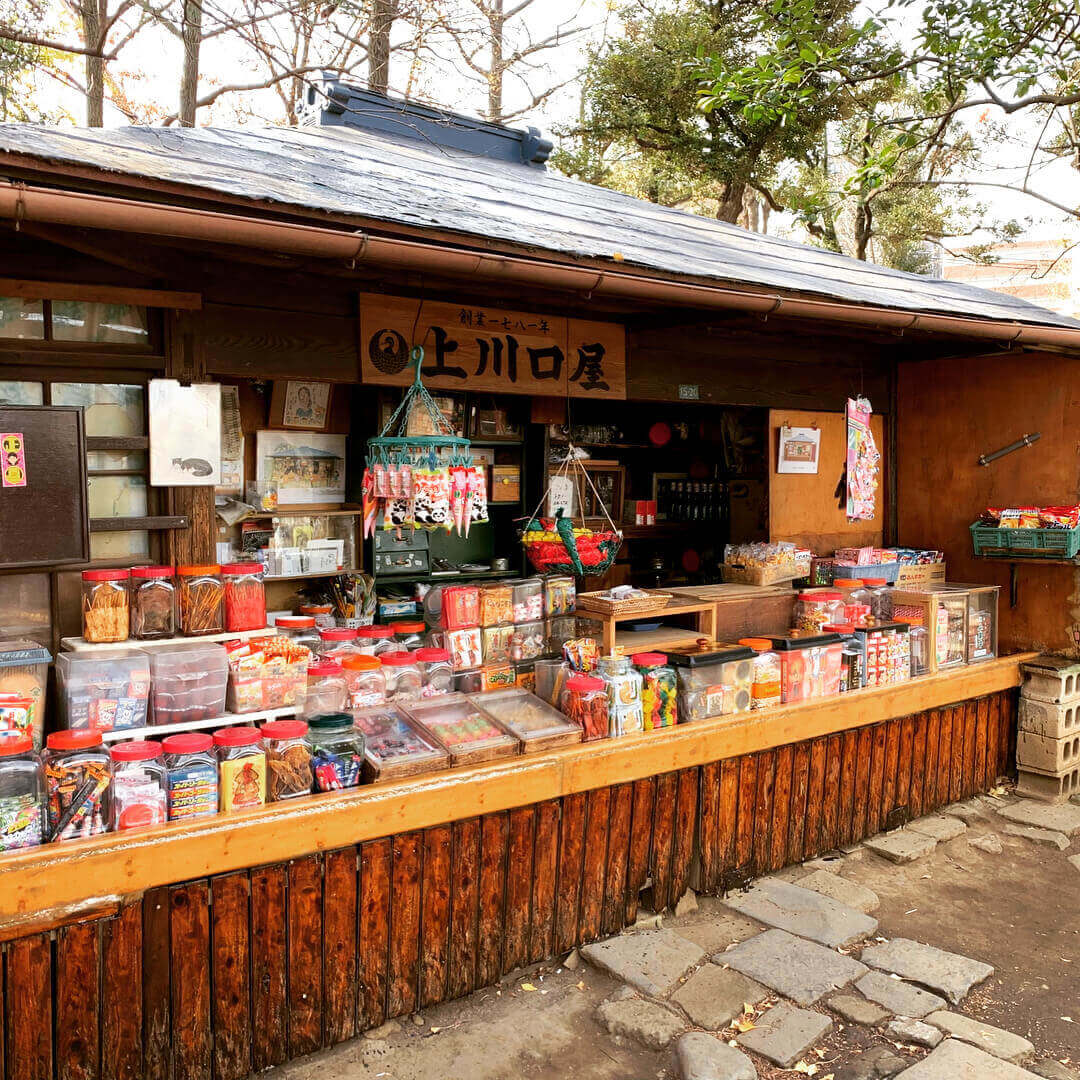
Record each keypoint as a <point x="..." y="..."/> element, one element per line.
<point x="465" y="730"/>
<point x="919" y="648"/>
<point x="337" y="751"/>
<point x="533" y="722"/>
<point x="202" y="606"/>
<point x="376" y="640"/>
<point x="106" y="605"/>
<point x="77" y="775"/>
<point x="410" y="635"/>
<point x="469" y="682"/>
<point x="338" y="642"/>
<point x="327" y="690"/>
<point x="106" y="690"/>
<point x="880" y="598"/>
<point x="460" y="606"/>
<point x="245" y="596"/>
<point x="584" y="702"/>
<point x="191" y="776"/>
<point x="364" y="680"/>
<point x="814" y="610"/>
<point x="22" y="794"/>
<point x="560" y="595"/>
<point x="496" y="644"/>
<point x="550" y="679"/>
<point x="323" y="614"/>
<point x="659" y="690"/>
<point x="624" y="695"/>
<point x="403" y="679"/>
<point x="267" y="673"/>
<point x="242" y="764"/>
<point x="189" y="681"/>
<point x="299" y="628"/>
<point x="714" y="681"/>
<point x="765" y="678"/>
<point x="496" y="604"/>
<point x="528" y="600"/>
<point x="466" y="648"/>
<point x="852" y="656"/>
<point x="153" y="603"/>
<point x="436" y="672"/>
<point x="394" y="746"/>
<point x="858" y="602"/>
<point x="288" y="759"/>
<point x="139" y="785"/>
<point x="558" y="630"/>
<point x="528" y="642"/>
<point x="24" y="674"/>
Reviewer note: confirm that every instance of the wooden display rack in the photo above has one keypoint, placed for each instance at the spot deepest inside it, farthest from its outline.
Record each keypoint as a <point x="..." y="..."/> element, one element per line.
<point x="665" y="636"/>
<point x="745" y="610"/>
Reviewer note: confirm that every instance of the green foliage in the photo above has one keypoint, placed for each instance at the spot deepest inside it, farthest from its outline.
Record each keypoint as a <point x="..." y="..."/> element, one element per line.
<point x="18" y="63"/>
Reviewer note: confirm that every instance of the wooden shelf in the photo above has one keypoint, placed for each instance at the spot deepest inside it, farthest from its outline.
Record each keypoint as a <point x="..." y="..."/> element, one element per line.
<point x="308" y="577"/>
<point x="303" y="512"/>
<point x="154" y="731"/>
<point x="665" y="637"/>
<point x="77" y="645"/>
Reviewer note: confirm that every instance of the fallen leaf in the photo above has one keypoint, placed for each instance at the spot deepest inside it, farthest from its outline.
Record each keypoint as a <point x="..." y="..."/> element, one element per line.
<point x="436" y="1030"/>
<point x="747" y="1008"/>
<point x="806" y="1070"/>
<point x="1068" y="1020"/>
<point x="527" y="986"/>
<point x="745" y="1025"/>
<point x="581" y="986"/>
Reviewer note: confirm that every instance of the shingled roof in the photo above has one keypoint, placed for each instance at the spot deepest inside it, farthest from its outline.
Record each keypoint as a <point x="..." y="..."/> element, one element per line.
<point x="402" y="180"/>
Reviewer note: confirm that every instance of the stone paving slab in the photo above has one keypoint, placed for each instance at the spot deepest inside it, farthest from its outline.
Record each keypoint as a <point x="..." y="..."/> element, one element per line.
<point x="784" y="1034"/>
<point x="901" y="846"/>
<point x="939" y="826"/>
<point x="647" y="1022"/>
<point x="705" y="1057"/>
<point x="969" y="811"/>
<point x="804" y="912"/>
<point x="988" y="842"/>
<point x="898" y="996"/>
<point x="1064" y="818"/>
<point x="653" y="961"/>
<point x="722" y="929"/>
<point x="857" y="1010"/>
<point x="1002" y="1044"/>
<point x="954" y="1060"/>
<point x="798" y="969"/>
<point x="840" y="889"/>
<point x="1050" y="1069"/>
<point x="914" y="1032"/>
<point x="876" y="1063"/>
<point x="713" y="996"/>
<point x="1039" y="836"/>
<point x="951" y="974"/>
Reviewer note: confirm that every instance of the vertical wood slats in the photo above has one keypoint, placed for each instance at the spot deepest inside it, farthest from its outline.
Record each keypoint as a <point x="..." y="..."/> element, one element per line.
<point x="230" y="937"/>
<point x="435" y="916"/>
<point x="374" y="933"/>
<point x="339" y="928"/>
<point x="78" y="958"/>
<point x="189" y="954"/>
<point x="269" y="992"/>
<point x="28" y="1008"/>
<point x="403" y="973"/>
<point x="304" y="935"/>
<point x="464" y="909"/>
<point x="122" y="997"/>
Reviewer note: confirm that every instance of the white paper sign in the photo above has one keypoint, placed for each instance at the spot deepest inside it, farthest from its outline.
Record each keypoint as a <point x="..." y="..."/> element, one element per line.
<point x="185" y="434"/>
<point x="799" y="450"/>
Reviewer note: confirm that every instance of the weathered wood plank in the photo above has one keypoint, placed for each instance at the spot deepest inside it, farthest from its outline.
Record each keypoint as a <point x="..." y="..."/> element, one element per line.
<point x="993" y="734"/>
<point x="892" y="767"/>
<point x="860" y="807"/>
<point x="930" y="768"/>
<point x="875" y="813"/>
<point x="982" y="737"/>
<point x="682" y="851"/>
<point x="156" y="979"/>
<point x="269" y="988"/>
<point x="727" y="817"/>
<point x="340" y="921"/>
<point x="519" y="887"/>
<point x="374" y="934"/>
<point x="663" y="840"/>
<point x="121" y="995"/>
<point x="493" y="849"/>
<point x="746" y="816"/>
<point x="902" y="797"/>
<point x="708" y="827"/>
<point x="848" y="754"/>
<point x="571" y="854"/>
<point x="918" y="766"/>
<point x="956" y="774"/>
<point x="230" y="934"/>
<point x="29" y="1035"/>
<point x="407" y="856"/>
<point x="815" y="798"/>
<point x="305" y="940"/>
<point x="464" y="907"/>
<point x="619" y="818"/>
<point x="781" y="807"/>
<point x="78" y="961"/>
<point x="189" y="933"/>
<point x="830" y="820"/>
<point x="944" y="766"/>
<point x="597" y="811"/>
<point x="435" y="915"/>
<point x="545" y="868"/>
<point x="800" y="782"/>
<point x="968" y="785"/>
<point x="763" y="811"/>
<point x="641" y="830"/>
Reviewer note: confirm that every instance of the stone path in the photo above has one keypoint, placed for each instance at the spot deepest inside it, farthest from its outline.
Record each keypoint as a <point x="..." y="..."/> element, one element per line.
<point x="953" y="975"/>
<point x="954" y="1060"/>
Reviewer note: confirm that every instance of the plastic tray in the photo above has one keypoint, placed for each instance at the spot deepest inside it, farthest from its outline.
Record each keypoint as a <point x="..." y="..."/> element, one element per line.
<point x="535" y="723"/>
<point x="444" y="720"/>
<point x="394" y="746"/>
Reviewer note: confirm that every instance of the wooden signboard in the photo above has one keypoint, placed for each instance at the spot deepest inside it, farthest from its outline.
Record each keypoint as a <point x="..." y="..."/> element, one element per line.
<point x="490" y="350"/>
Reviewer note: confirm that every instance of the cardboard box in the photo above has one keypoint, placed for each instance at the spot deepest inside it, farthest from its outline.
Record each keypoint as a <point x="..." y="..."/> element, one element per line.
<point x="920" y="574"/>
<point x="505" y="484"/>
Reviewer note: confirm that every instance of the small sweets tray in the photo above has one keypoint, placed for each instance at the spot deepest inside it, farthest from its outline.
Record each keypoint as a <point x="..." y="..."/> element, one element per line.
<point x="534" y="722"/>
<point x="468" y="733"/>
<point x="394" y="746"/>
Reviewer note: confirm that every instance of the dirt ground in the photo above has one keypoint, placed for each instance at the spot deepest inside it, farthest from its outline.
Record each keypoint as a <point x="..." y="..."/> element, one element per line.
<point x="1019" y="911"/>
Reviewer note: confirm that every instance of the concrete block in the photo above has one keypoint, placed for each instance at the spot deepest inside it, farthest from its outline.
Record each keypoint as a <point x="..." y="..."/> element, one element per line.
<point x="1051" y="789"/>
<point x="1051" y="678"/>
<point x="1050" y="719"/>
<point x="1040" y="753"/>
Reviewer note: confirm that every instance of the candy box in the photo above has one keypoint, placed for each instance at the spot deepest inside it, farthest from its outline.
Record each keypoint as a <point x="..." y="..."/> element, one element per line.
<point x="528" y="598"/>
<point x="529" y="641"/>
<point x="496" y="605"/>
<point x="103" y="690"/>
<point x="560" y="595"/>
<point x="497" y="642"/>
<point x="460" y="606"/>
<point x="535" y="723"/>
<point x="713" y="681"/>
<point x="394" y="745"/>
<point x="497" y="677"/>
<point x="465" y="648"/>
<point x="463" y="728"/>
<point x="267" y="673"/>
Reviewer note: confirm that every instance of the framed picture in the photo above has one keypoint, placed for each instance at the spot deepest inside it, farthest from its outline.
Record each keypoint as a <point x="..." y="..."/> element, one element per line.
<point x="302" y="406"/>
<point x="185" y="434"/>
<point x="303" y="469"/>
<point x="603" y="496"/>
<point x="799" y="449"/>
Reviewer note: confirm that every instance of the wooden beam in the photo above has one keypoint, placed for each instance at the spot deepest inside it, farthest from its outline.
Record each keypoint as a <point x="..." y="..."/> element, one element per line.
<point x="134" y="524"/>
<point x="103" y="294"/>
<point x="116" y="864"/>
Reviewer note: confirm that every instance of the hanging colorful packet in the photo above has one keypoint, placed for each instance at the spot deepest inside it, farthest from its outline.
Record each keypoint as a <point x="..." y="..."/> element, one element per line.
<point x="369" y="503"/>
<point x="431" y="497"/>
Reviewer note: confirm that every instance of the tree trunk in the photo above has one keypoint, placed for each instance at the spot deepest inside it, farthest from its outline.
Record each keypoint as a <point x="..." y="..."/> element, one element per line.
<point x="93" y="13"/>
<point x="731" y="201"/>
<point x="191" y="32"/>
<point x="497" y="25"/>
<point x="864" y="228"/>
<point x="383" y="14"/>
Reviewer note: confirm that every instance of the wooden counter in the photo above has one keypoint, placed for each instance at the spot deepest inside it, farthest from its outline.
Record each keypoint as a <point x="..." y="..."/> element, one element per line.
<point x="119" y="864"/>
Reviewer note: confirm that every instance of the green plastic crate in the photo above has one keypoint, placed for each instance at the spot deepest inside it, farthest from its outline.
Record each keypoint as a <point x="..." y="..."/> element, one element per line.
<point x="1026" y="543"/>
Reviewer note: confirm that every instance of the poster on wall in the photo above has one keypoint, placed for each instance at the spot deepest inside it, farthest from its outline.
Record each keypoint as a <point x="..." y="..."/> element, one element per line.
<point x="863" y="462"/>
<point x="304" y="469"/>
<point x="185" y="434"/>
<point x="800" y="449"/>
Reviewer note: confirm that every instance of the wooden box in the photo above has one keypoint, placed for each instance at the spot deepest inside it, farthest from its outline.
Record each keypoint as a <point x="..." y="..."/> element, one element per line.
<point x="944" y="612"/>
<point x="505" y="484"/>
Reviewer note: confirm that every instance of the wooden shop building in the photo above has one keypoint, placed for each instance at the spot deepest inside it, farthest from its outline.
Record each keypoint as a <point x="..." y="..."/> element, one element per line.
<point x="674" y="348"/>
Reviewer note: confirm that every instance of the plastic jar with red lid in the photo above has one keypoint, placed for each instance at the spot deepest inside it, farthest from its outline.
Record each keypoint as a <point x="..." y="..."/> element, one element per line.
<point x="242" y="764"/>
<point x="335" y="643"/>
<point x="584" y="701"/>
<point x="326" y="688"/>
<point x="191" y="776"/>
<point x="245" y="596"/>
<point x="153" y="603"/>
<point x="376" y="640"/>
<point x="77" y="773"/>
<point x="436" y="672"/>
<point x="880" y="598"/>
<point x="323" y="614"/>
<point x="410" y="635"/>
<point x="402" y="673"/>
<point x="139" y="785"/>
<point x="299" y="628"/>
<point x="22" y="794"/>
<point x="364" y="680"/>
<point x="106" y="605"/>
<point x="288" y="759"/>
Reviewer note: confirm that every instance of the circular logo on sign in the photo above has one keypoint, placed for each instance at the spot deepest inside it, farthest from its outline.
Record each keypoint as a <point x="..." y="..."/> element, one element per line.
<point x="12" y="444"/>
<point x="388" y="351"/>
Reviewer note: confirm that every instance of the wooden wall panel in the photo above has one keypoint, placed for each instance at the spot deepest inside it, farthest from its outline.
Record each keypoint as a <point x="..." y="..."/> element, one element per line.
<point x="269" y="989"/>
<point x="746" y="813"/>
<point x="373" y="955"/>
<point x="781" y="821"/>
<point x="709" y="828"/>
<point x="189" y="951"/>
<point x="918" y="766"/>
<point x="618" y="857"/>
<point x="305" y="941"/>
<point x="571" y="861"/>
<point x="545" y="868"/>
<point x="597" y="811"/>
<point x="968" y="781"/>
<point x="156" y="991"/>
<point x="815" y="799"/>
<point x="902" y="797"/>
<point x="763" y="811"/>
<point x="891" y="770"/>
<point x="519" y="887"/>
<point x="637" y="870"/>
<point x="403" y="973"/>
<point x="830" y="834"/>
<point x="339" y="926"/>
<point x="849" y="750"/>
<point x="682" y="852"/>
<point x="230" y="937"/>
<point x="663" y="840"/>
<point x="864" y="759"/>
<point x="464" y="910"/>
<point x="493" y="845"/>
<point x="875" y="813"/>
<point x="122" y="1001"/>
<point x="78" y="960"/>
<point x="435" y="915"/>
<point x="29" y="1035"/>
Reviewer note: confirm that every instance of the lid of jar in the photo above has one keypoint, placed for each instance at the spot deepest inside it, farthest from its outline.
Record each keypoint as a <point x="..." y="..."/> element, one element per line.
<point x="758" y="644"/>
<point x="375" y="632"/>
<point x="198" y="571"/>
<point x="191" y="742"/>
<point x="361" y="662"/>
<point x="316" y="609"/>
<point x="324" y="669"/>
<point x="330" y="721"/>
<point x="848" y="583"/>
<point x="818" y="597"/>
<point x="15" y="744"/>
<point x="648" y="659"/>
<point x="236" y="736"/>
<point x="432" y="656"/>
<point x="417" y="627"/>
<point x="106" y="575"/>
<point x="78" y="739"/>
<point x="152" y="571"/>
<point x="839" y="628"/>
<point x="875" y="582"/>
<point x="337" y="634"/>
<point x="283" y="729"/>
<point x="295" y="622"/>
<point x="584" y="683"/>
<point x="136" y="750"/>
<point x="397" y="659"/>
<point x="832" y="595"/>
<point x="242" y="568"/>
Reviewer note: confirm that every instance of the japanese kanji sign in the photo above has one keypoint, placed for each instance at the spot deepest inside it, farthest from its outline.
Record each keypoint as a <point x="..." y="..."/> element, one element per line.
<point x="472" y="347"/>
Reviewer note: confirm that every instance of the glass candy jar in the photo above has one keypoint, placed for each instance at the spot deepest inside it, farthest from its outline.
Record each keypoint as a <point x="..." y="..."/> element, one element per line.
<point x="364" y="680"/>
<point x="403" y="679"/>
<point x="139" y="785"/>
<point x="243" y="768"/>
<point x="105" y="605"/>
<point x="192" y="775"/>
<point x="288" y="759"/>
<point x="77" y="773"/>
<point x="409" y="635"/>
<point x="153" y="603"/>
<point x="584" y="701"/>
<point x="624" y="694"/>
<point x="335" y="643"/>
<point x="301" y="629"/>
<point x="337" y="751"/>
<point x="659" y="690"/>
<point x="202" y="608"/>
<point x="436" y="672"/>
<point x="245" y="596"/>
<point x="22" y="794"/>
<point x="326" y="688"/>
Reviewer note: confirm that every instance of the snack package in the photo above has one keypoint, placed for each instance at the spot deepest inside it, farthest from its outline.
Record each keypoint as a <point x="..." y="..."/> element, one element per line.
<point x="465" y="648"/>
<point x="1059" y="517"/>
<point x="582" y="654"/>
